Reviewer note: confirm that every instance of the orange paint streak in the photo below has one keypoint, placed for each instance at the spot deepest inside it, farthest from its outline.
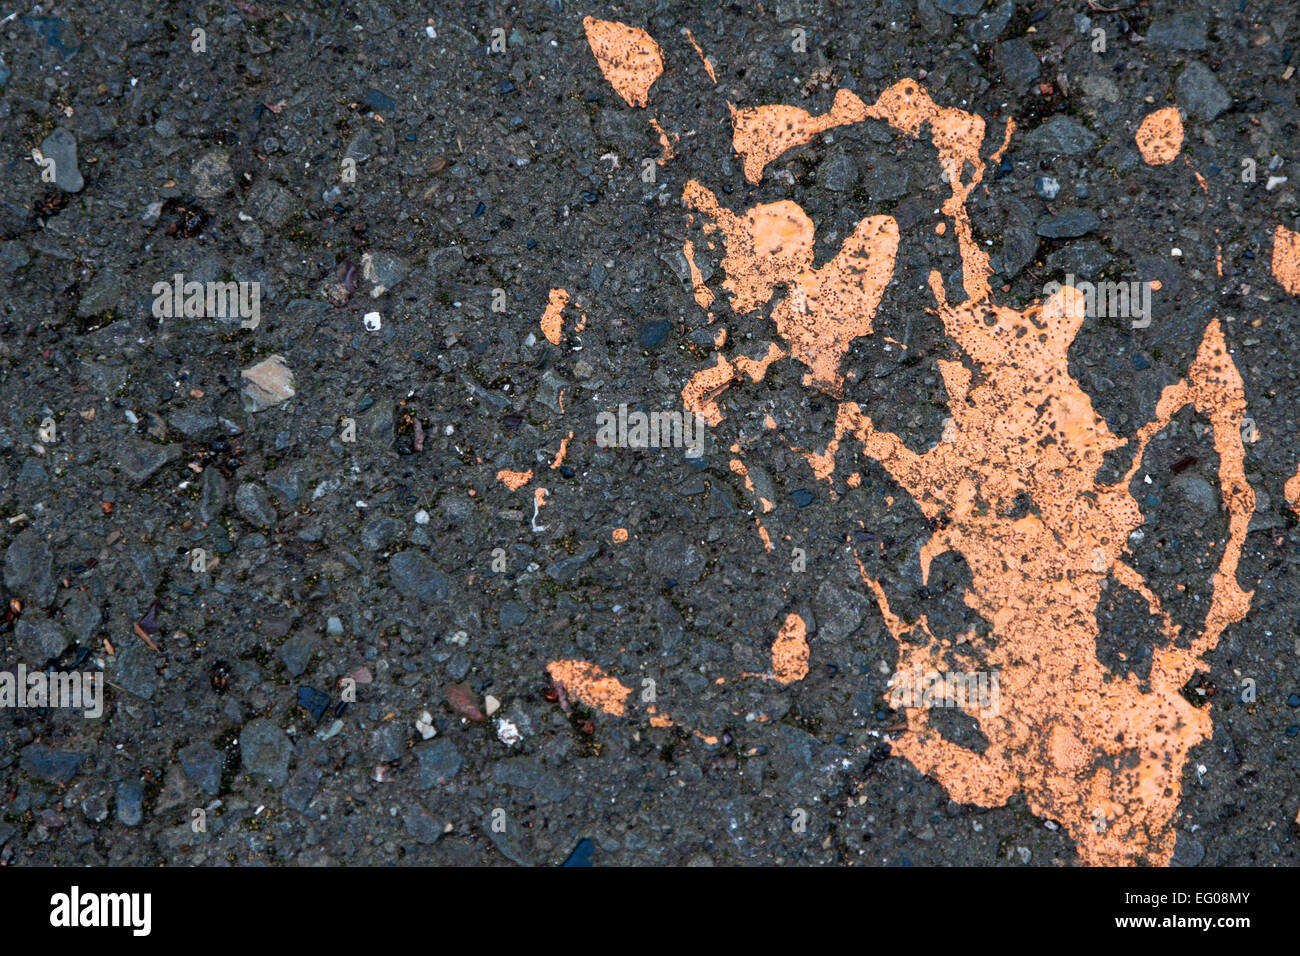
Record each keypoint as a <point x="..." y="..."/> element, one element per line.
<point x="708" y="67"/>
<point x="1160" y="136"/>
<point x="589" y="684"/>
<point x="514" y="480"/>
<point x="552" y="321"/>
<point x="664" y="143"/>
<point x="564" y="450"/>
<point x="628" y="57"/>
<point x="762" y="533"/>
<point x="790" y="651"/>
<point x="703" y="297"/>
<point x="699" y="393"/>
<point x="1286" y="259"/>
<point x="1292" y="491"/>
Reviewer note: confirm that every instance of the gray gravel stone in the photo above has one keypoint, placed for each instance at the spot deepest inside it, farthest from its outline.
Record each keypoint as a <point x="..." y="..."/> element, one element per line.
<point x="885" y="181"/>
<point x="1069" y="224"/>
<point x="265" y="751"/>
<point x="135" y="671"/>
<point x="130" y="803"/>
<point x="1185" y="31"/>
<point x="837" y="171"/>
<point x="380" y="532"/>
<point x="296" y="652"/>
<point x="61" y="146"/>
<point x="424" y="828"/>
<point x="141" y="460"/>
<point x="1062" y="135"/>
<point x="1017" y="61"/>
<point x="51" y="764"/>
<point x="212" y="498"/>
<point x="211" y="174"/>
<point x="1200" y="93"/>
<point x="988" y="26"/>
<point x="202" y="763"/>
<point x="254" y="505"/>
<point x="439" y="762"/>
<point x="39" y="638"/>
<point x="415" y="576"/>
<point x="29" y="569"/>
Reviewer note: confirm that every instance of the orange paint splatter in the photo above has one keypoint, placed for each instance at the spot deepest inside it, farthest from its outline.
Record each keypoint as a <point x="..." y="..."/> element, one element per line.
<point x="564" y="450"/>
<point x="552" y="321"/>
<point x="1160" y="136"/>
<point x="703" y="297"/>
<point x="619" y="535"/>
<point x="514" y="480"/>
<point x="826" y="308"/>
<point x="1292" y="491"/>
<point x="708" y="67"/>
<point x="699" y="395"/>
<point x="1286" y="259"/>
<point x="629" y="58"/>
<point x="762" y="133"/>
<point x="664" y="143"/>
<point x="790" y="651"/>
<point x="590" y="685"/>
<point x="1103" y="755"/>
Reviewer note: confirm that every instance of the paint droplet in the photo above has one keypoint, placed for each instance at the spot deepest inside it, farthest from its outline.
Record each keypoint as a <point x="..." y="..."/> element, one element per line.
<point x="629" y="58"/>
<point x="1160" y="136"/>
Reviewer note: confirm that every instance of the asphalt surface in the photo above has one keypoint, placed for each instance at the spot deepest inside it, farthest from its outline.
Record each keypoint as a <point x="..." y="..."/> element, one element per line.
<point x="491" y="168"/>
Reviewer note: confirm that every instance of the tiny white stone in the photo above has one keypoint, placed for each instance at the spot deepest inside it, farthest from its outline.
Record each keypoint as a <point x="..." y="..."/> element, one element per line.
<point x="508" y="733"/>
<point x="374" y="321"/>
<point x="422" y="517"/>
<point x="1176" y="252"/>
<point x="491" y="705"/>
<point x="425" y="725"/>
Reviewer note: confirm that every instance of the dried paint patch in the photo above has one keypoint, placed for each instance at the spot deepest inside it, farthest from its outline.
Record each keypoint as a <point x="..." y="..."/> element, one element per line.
<point x="1160" y="136"/>
<point x="514" y="480"/>
<point x="1292" y="491"/>
<point x="790" y="651"/>
<point x="1103" y="754"/>
<point x="629" y="58"/>
<point x="1286" y="259"/>
<point x="589" y="684"/>
<point x="552" y="321"/>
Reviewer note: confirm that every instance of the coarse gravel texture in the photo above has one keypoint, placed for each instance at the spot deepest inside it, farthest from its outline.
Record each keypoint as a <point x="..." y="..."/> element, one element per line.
<point x="478" y="171"/>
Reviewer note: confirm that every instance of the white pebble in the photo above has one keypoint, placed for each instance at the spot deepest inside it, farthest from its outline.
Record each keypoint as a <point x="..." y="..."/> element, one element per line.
<point x="508" y="733"/>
